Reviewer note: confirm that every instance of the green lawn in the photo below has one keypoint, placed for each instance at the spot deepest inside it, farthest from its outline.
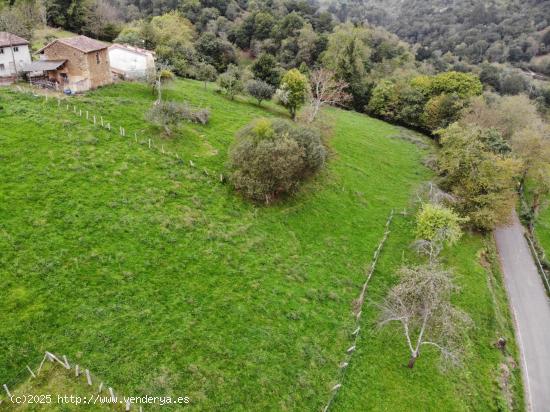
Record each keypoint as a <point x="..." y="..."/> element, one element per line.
<point x="542" y="229"/>
<point x="163" y="281"/>
<point x="44" y="35"/>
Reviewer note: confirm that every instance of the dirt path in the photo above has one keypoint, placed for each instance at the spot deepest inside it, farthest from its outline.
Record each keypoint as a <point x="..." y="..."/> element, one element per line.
<point x="531" y="310"/>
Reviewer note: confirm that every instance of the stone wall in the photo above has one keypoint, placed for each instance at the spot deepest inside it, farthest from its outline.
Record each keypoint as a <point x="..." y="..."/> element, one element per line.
<point x="77" y="64"/>
<point x="83" y="70"/>
<point x="99" y="68"/>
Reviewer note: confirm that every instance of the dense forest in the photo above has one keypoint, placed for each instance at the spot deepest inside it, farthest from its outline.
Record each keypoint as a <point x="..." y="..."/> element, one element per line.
<point x="363" y="42"/>
<point x="475" y="31"/>
<point x="497" y="31"/>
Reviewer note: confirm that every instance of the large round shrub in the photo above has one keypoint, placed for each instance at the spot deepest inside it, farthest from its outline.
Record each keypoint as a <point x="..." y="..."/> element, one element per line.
<point x="270" y="158"/>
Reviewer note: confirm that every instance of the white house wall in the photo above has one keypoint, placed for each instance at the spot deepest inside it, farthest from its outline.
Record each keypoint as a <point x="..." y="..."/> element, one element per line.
<point x="21" y="55"/>
<point x="133" y="65"/>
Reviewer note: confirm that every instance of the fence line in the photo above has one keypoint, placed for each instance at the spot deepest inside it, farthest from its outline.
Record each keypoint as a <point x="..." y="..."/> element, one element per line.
<point x="105" y="125"/>
<point x="358" y="310"/>
<point x="64" y="362"/>
<point x="539" y="264"/>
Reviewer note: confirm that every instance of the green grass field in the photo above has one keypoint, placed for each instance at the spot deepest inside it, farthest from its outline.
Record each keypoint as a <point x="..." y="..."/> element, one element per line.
<point x="542" y="230"/>
<point x="46" y="34"/>
<point x="163" y="281"/>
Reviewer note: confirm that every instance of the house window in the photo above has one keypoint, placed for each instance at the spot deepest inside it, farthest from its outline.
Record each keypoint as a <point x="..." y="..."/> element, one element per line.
<point x="16" y="49"/>
<point x="1" y="51"/>
<point x="2" y="67"/>
<point x="97" y="58"/>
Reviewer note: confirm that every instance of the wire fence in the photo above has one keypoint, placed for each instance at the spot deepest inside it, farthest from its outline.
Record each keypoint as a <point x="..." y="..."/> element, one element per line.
<point x="540" y="267"/>
<point x="99" y="391"/>
<point x="97" y="120"/>
<point x="358" y="310"/>
<point x="100" y="121"/>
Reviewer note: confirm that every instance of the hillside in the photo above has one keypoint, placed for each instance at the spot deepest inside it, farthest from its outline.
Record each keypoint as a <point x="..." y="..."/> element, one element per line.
<point x="158" y="276"/>
<point x="497" y="31"/>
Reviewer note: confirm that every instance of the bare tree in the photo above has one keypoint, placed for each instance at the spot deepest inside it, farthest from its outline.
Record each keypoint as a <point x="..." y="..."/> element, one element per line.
<point x="158" y="76"/>
<point x="421" y="302"/>
<point x="325" y="90"/>
<point x="431" y="247"/>
<point x="430" y="192"/>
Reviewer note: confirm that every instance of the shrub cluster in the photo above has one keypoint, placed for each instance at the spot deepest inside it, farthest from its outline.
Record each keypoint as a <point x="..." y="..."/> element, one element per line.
<point x="270" y="158"/>
<point x="259" y="90"/>
<point x="168" y="114"/>
<point x="427" y="102"/>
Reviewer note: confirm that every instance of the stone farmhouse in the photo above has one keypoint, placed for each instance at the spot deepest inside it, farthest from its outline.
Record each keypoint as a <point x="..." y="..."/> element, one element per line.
<point x="76" y="64"/>
<point x="14" y="54"/>
<point x="130" y="62"/>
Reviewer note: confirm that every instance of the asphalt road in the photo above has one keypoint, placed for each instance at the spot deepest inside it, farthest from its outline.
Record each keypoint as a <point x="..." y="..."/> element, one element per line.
<point x="531" y="310"/>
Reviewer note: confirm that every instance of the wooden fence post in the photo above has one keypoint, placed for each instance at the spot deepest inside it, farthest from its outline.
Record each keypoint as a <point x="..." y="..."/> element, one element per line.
<point x="7" y="390"/>
<point x="67" y="366"/>
<point x="112" y="393"/>
<point x="31" y="372"/>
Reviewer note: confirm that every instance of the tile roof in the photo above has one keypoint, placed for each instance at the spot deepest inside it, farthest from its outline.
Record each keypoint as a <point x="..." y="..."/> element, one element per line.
<point x="132" y="49"/>
<point x="7" y="39"/>
<point x="82" y="43"/>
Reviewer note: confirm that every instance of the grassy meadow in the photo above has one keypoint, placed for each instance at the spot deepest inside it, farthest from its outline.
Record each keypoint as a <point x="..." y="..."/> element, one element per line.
<point x="163" y="281"/>
<point x="542" y="230"/>
<point x="46" y="34"/>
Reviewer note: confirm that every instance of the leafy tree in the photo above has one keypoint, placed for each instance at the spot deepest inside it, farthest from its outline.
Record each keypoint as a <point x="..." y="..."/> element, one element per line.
<point x="462" y="84"/>
<point x="170" y="35"/>
<point x="466" y="29"/>
<point x="384" y="100"/>
<point x="101" y="20"/>
<point x="293" y="91"/>
<point x="508" y="114"/>
<point x="265" y="68"/>
<point x="494" y="142"/>
<point x="437" y="226"/>
<point x="132" y="35"/>
<point x="215" y="51"/>
<point x="421" y="302"/>
<point x="230" y="82"/>
<point x="289" y="26"/>
<point x="206" y="72"/>
<point x="442" y="110"/>
<point x="532" y="146"/>
<point x="263" y="24"/>
<point x="434" y="219"/>
<point x="490" y="75"/>
<point x="206" y="15"/>
<point x="348" y="54"/>
<point x="260" y="90"/>
<point x="270" y="158"/>
<point x="307" y="45"/>
<point x="482" y="181"/>
<point x="68" y="14"/>
<point x="411" y="105"/>
<point x="512" y="83"/>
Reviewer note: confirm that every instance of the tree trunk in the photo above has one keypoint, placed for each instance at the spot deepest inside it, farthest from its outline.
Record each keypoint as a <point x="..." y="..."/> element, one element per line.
<point x="412" y="360"/>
